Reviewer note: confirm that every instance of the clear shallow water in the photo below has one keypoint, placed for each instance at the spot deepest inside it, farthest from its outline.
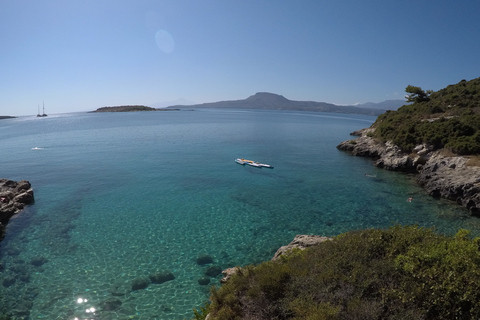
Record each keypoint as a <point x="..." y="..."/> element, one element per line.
<point x="120" y="196"/>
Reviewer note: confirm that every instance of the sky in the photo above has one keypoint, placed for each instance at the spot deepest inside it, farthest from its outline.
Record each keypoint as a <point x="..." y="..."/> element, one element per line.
<point x="80" y="55"/>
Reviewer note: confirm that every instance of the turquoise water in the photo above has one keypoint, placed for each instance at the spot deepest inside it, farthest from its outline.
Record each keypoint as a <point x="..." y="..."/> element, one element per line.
<point x="120" y="196"/>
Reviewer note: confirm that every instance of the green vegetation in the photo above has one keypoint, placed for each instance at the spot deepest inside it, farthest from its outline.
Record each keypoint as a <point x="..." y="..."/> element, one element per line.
<point x="397" y="273"/>
<point x="125" y="109"/>
<point x="448" y="118"/>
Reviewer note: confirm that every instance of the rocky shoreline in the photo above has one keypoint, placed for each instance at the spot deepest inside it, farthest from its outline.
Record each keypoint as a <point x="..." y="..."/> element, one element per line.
<point x="14" y="196"/>
<point x="442" y="176"/>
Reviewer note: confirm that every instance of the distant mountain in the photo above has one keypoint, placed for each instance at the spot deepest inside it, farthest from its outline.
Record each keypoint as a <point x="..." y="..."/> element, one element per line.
<point x="384" y="105"/>
<point x="271" y="101"/>
<point x="165" y="104"/>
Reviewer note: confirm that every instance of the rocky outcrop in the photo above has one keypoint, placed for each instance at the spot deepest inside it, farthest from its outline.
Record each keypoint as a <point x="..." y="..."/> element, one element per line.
<point x="14" y="196"/>
<point x="301" y="242"/>
<point x="442" y="176"/>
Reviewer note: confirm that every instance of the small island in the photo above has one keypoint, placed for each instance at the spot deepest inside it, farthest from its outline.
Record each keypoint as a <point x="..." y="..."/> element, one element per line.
<point x="130" y="108"/>
<point x="6" y="117"/>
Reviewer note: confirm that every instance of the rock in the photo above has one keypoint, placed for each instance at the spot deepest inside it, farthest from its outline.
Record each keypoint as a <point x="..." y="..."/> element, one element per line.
<point x="38" y="261"/>
<point x="213" y="271"/>
<point x="161" y="277"/>
<point x="227" y="273"/>
<point x="14" y="196"/>
<point x="203" y="281"/>
<point x="8" y="281"/>
<point x="120" y="289"/>
<point x="300" y="242"/>
<point x="204" y="259"/>
<point x="139" y="284"/>
<point x="442" y="176"/>
<point x="110" y="304"/>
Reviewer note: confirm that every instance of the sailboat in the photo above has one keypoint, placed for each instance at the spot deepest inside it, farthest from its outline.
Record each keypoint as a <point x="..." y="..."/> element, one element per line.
<point x="41" y="115"/>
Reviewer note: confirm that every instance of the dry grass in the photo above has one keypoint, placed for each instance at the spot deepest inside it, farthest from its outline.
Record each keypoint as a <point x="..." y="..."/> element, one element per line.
<point x="473" y="161"/>
<point x="447" y="153"/>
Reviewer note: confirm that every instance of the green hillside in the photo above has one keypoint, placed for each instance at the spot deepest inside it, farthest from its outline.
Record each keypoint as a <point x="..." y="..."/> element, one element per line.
<point x="448" y="118"/>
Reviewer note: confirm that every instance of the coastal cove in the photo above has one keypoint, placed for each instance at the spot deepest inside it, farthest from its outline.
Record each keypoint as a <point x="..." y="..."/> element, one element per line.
<point x="122" y="199"/>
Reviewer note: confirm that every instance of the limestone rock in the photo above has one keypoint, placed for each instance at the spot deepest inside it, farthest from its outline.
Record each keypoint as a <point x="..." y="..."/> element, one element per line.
<point x="227" y="273"/>
<point x="300" y="242"/>
<point x="442" y="176"/>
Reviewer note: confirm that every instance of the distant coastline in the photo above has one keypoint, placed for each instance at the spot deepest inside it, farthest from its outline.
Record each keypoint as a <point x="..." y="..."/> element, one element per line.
<point x="271" y="101"/>
<point x="129" y="108"/>
<point x="6" y="117"/>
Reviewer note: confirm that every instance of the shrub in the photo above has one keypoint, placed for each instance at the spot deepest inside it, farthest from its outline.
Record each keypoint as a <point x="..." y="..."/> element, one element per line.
<point x="397" y="273"/>
<point x="449" y="114"/>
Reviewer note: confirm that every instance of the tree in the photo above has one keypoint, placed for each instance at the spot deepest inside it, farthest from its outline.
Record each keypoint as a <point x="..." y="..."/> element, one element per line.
<point x="416" y="94"/>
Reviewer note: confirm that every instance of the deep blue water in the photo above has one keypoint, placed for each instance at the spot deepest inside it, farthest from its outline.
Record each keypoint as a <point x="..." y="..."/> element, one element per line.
<point x="120" y="196"/>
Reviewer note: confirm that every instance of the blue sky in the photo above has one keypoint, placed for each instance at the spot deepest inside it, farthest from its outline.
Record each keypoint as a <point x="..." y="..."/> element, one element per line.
<point x="81" y="55"/>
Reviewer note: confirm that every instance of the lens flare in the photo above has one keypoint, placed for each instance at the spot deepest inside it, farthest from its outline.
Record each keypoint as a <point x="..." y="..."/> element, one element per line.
<point x="164" y="41"/>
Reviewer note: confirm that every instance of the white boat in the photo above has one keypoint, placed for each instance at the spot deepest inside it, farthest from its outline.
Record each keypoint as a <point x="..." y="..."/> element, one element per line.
<point x="240" y="161"/>
<point x="264" y="165"/>
<point x="252" y="163"/>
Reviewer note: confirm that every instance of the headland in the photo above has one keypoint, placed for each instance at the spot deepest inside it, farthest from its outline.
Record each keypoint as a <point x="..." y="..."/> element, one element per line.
<point x="437" y="138"/>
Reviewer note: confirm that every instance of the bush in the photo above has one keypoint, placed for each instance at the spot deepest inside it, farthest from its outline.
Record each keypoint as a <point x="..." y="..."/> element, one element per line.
<point x="449" y="114"/>
<point x="397" y="273"/>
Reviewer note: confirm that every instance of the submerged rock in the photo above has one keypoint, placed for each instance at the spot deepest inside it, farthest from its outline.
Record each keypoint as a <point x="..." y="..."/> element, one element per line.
<point x="8" y="281"/>
<point x="120" y="289"/>
<point x="204" y="259"/>
<point x="213" y="271"/>
<point x="38" y="261"/>
<point x="203" y="281"/>
<point x="139" y="284"/>
<point x="161" y="277"/>
<point x="110" y="304"/>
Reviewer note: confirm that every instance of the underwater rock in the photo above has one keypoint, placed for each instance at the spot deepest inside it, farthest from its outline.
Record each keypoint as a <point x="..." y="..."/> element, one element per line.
<point x="140" y="283"/>
<point x="204" y="259"/>
<point x="13" y="251"/>
<point x="203" y="281"/>
<point x="38" y="261"/>
<point x="120" y="289"/>
<point x="8" y="281"/>
<point x="110" y="304"/>
<point x="161" y="277"/>
<point x="213" y="271"/>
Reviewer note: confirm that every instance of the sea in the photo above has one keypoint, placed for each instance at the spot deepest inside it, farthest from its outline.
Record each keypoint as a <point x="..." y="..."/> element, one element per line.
<point x="120" y="197"/>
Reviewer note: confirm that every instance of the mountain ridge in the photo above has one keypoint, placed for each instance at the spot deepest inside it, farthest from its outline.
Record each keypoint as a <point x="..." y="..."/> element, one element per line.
<point x="272" y="101"/>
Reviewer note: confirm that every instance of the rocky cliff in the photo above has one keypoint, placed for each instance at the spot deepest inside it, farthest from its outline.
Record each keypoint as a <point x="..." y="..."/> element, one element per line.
<point x="14" y="196"/>
<point x="442" y="176"/>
